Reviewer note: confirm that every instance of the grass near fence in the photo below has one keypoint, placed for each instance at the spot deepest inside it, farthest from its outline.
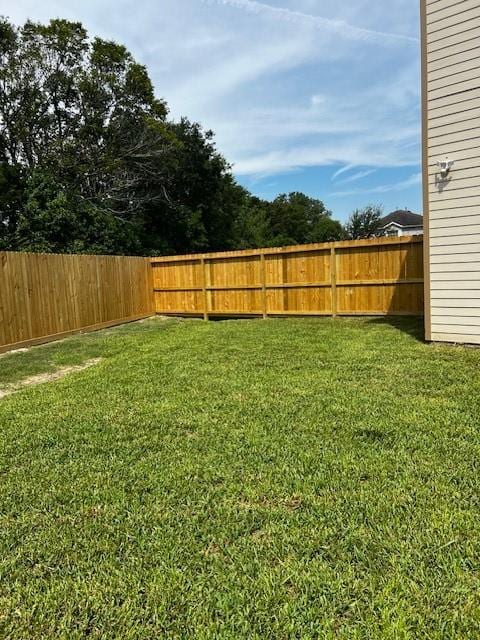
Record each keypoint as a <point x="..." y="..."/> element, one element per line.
<point x="242" y="479"/>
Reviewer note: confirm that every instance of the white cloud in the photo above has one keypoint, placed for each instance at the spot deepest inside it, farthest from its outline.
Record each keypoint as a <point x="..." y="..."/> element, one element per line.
<point x="356" y="176"/>
<point x="358" y="132"/>
<point x="412" y="181"/>
<point x="317" y="99"/>
<point x="344" y="169"/>
<point x="242" y="66"/>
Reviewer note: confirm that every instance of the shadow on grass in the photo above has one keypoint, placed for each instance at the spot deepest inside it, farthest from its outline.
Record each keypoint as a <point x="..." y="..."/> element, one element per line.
<point x="411" y="325"/>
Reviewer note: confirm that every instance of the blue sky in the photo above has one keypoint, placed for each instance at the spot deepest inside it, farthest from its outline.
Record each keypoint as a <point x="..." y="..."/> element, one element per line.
<point x="320" y="96"/>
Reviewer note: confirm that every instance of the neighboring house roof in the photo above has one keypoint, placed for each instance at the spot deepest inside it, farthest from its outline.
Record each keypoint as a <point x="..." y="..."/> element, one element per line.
<point x="402" y="218"/>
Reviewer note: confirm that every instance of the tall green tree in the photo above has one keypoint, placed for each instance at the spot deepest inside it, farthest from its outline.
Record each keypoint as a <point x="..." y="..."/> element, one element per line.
<point x="364" y="223"/>
<point x="102" y="167"/>
<point x="252" y="227"/>
<point x="80" y="120"/>
<point x="12" y="189"/>
<point x="90" y="162"/>
<point x="201" y="196"/>
<point x="297" y="218"/>
<point x="290" y="219"/>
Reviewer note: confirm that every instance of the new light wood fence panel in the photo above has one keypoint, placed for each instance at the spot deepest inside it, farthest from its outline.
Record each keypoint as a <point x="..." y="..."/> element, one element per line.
<point x="43" y="296"/>
<point x="367" y="277"/>
<point x="234" y="285"/>
<point x="385" y="278"/>
<point x="299" y="281"/>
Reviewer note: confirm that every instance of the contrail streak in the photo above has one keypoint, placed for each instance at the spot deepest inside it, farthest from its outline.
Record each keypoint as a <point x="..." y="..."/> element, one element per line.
<point x="338" y="27"/>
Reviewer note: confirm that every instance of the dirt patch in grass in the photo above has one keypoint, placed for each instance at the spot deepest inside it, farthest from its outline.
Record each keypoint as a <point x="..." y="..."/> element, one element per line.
<point x="42" y="378"/>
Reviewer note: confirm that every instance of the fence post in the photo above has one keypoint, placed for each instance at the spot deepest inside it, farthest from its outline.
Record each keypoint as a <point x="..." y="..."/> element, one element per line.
<point x="151" y="283"/>
<point x="333" y="276"/>
<point x="204" y="288"/>
<point x="264" y="286"/>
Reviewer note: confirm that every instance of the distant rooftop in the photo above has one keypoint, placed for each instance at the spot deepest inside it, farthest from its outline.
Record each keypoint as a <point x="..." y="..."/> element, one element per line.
<point x="402" y="217"/>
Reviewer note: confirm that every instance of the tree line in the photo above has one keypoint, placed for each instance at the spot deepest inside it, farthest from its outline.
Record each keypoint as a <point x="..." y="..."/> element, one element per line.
<point x="90" y="161"/>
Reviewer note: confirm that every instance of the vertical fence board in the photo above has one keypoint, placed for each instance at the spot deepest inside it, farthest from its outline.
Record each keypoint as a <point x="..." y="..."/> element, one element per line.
<point x="263" y="276"/>
<point x="333" y="280"/>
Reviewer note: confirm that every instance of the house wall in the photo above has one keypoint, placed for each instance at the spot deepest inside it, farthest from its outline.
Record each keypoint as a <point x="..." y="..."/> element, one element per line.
<point x="451" y="127"/>
<point x="404" y="231"/>
<point x="412" y="231"/>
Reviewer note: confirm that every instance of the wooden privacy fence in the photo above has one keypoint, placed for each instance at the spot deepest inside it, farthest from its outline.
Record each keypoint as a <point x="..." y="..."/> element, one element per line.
<point x="44" y="296"/>
<point x="365" y="277"/>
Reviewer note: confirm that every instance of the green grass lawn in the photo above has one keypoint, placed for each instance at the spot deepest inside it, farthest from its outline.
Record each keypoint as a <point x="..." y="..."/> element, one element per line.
<point x="242" y="479"/>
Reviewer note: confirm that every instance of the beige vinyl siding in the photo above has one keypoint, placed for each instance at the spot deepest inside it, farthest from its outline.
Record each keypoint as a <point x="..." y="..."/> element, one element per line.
<point x="451" y="50"/>
<point x="446" y="11"/>
<point x="461" y="47"/>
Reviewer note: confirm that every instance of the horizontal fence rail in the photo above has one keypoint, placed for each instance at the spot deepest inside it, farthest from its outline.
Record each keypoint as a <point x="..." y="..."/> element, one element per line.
<point x="46" y="296"/>
<point x="381" y="276"/>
